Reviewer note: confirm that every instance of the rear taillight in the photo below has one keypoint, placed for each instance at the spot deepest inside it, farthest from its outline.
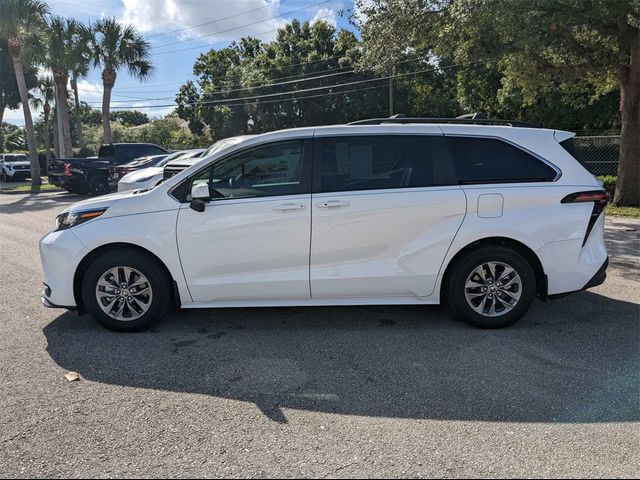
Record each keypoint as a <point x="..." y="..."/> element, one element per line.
<point x="67" y="169"/>
<point x="600" y="200"/>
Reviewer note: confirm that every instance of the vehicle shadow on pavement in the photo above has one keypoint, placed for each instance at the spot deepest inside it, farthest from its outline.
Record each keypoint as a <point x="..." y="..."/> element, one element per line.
<point x="30" y="202"/>
<point x="570" y="361"/>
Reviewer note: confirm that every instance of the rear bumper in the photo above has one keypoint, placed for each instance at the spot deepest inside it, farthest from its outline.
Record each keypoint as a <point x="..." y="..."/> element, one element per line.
<point x="598" y="279"/>
<point x="59" y="180"/>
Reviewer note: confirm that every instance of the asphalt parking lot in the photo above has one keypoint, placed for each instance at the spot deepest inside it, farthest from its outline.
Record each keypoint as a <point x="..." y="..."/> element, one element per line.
<point x="317" y="392"/>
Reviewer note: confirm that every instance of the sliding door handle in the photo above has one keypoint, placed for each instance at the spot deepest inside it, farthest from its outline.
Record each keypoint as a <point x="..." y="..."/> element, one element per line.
<point x="333" y="204"/>
<point x="286" y="207"/>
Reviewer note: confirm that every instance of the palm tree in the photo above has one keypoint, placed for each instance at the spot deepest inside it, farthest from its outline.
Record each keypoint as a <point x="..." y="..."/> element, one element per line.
<point x="117" y="46"/>
<point x="66" y="42"/>
<point x="81" y="56"/>
<point x="44" y="96"/>
<point x="19" y="20"/>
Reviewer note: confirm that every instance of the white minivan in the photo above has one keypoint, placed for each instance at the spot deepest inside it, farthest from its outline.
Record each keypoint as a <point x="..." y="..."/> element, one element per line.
<point x="484" y="215"/>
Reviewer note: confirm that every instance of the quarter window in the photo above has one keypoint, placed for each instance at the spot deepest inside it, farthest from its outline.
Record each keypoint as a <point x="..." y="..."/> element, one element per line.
<point x="488" y="160"/>
<point x="380" y="162"/>
<point x="271" y="170"/>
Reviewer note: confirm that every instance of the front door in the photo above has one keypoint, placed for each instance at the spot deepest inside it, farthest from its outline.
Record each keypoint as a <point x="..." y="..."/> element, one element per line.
<point x="252" y="241"/>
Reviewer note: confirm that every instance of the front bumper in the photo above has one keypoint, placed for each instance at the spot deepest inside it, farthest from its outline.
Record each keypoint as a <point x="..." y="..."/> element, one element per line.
<point x="15" y="174"/>
<point x="61" y="252"/>
<point x="45" y="301"/>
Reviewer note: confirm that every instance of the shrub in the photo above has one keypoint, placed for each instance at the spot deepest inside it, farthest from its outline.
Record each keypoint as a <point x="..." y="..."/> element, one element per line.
<point x="609" y="183"/>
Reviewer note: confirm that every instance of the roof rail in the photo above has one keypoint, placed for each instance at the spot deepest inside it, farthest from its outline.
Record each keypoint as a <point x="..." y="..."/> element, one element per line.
<point x="470" y="119"/>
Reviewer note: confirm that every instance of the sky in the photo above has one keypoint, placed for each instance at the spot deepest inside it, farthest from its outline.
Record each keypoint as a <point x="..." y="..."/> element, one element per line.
<point x="179" y="31"/>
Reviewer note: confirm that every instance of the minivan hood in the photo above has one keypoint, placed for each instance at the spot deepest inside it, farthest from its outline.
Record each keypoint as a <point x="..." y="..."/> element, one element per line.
<point x="104" y="201"/>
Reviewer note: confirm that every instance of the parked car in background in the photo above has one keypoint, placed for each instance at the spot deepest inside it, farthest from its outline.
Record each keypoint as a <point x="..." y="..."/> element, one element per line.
<point x="480" y="214"/>
<point x="14" y="166"/>
<point x="119" y="171"/>
<point x="180" y="164"/>
<point x="151" y="176"/>
<point x="91" y="175"/>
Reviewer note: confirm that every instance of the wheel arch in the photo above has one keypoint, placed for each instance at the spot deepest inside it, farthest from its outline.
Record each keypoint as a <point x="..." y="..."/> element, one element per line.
<point x="95" y="253"/>
<point x="521" y="248"/>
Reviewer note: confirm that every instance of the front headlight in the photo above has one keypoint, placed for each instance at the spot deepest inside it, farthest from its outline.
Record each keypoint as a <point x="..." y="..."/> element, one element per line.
<point x="71" y="219"/>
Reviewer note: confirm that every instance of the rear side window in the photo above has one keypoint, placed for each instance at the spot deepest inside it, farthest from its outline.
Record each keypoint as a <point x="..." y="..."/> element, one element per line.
<point x="570" y="146"/>
<point x="107" y="151"/>
<point x="489" y="160"/>
<point x="380" y="162"/>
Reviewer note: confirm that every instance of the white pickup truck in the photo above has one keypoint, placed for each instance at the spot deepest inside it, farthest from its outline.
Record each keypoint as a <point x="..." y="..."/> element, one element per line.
<point x="14" y="166"/>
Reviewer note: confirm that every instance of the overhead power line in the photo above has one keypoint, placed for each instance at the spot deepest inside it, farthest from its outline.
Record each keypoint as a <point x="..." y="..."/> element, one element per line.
<point x="219" y="77"/>
<point x="289" y="82"/>
<point x="269" y="5"/>
<point x="226" y="42"/>
<point x="294" y="92"/>
<point x="242" y="26"/>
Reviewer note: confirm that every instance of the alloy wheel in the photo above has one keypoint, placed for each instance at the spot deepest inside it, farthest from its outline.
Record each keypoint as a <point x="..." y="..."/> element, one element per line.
<point x="493" y="289"/>
<point x="124" y="293"/>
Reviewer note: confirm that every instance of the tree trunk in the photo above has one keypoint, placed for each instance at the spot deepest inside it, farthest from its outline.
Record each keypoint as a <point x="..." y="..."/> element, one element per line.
<point x="1" y="129"/>
<point x="56" y="141"/>
<point x="14" y="50"/>
<point x="628" y="184"/>
<point x="61" y="78"/>
<point x="108" y="80"/>
<point x="76" y="96"/>
<point x="47" y="134"/>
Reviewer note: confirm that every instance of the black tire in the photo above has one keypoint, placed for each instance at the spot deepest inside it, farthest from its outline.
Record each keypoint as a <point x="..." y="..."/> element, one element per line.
<point x="98" y="185"/>
<point x="466" y="264"/>
<point x="160" y="285"/>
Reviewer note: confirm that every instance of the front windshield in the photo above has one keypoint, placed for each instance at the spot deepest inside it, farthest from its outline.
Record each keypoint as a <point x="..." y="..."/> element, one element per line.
<point x="222" y="144"/>
<point x="16" y="158"/>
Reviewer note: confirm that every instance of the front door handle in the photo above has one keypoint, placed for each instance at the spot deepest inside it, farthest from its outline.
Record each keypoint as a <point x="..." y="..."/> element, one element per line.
<point x="333" y="204"/>
<point x="285" y="207"/>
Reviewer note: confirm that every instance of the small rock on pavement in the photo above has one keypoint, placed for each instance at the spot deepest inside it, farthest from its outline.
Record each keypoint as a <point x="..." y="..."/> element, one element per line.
<point x="72" y="376"/>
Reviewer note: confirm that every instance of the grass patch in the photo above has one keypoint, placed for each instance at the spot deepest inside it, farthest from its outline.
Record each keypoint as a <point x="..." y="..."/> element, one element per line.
<point x="45" y="187"/>
<point x="633" y="212"/>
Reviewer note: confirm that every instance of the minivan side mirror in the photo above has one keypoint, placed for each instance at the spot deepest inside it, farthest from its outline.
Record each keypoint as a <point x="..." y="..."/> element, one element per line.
<point x="200" y="196"/>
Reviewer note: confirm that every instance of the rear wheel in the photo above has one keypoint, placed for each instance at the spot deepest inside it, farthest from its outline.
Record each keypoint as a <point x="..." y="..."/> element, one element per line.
<point x="491" y="287"/>
<point x="125" y="290"/>
<point x="98" y="185"/>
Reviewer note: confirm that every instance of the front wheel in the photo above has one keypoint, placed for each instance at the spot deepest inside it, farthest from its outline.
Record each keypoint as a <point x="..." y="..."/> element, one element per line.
<point x="125" y="290"/>
<point x="491" y="287"/>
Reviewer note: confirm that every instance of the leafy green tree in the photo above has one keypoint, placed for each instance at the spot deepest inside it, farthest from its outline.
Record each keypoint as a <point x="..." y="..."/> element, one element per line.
<point x="19" y="21"/>
<point x="115" y="47"/>
<point x="42" y="100"/>
<point x="569" y="55"/>
<point x="302" y="56"/>
<point x="65" y="40"/>
<point x="14" y="138"/>
<point x="9" y="94"/>
<point x="129" y="117"/>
